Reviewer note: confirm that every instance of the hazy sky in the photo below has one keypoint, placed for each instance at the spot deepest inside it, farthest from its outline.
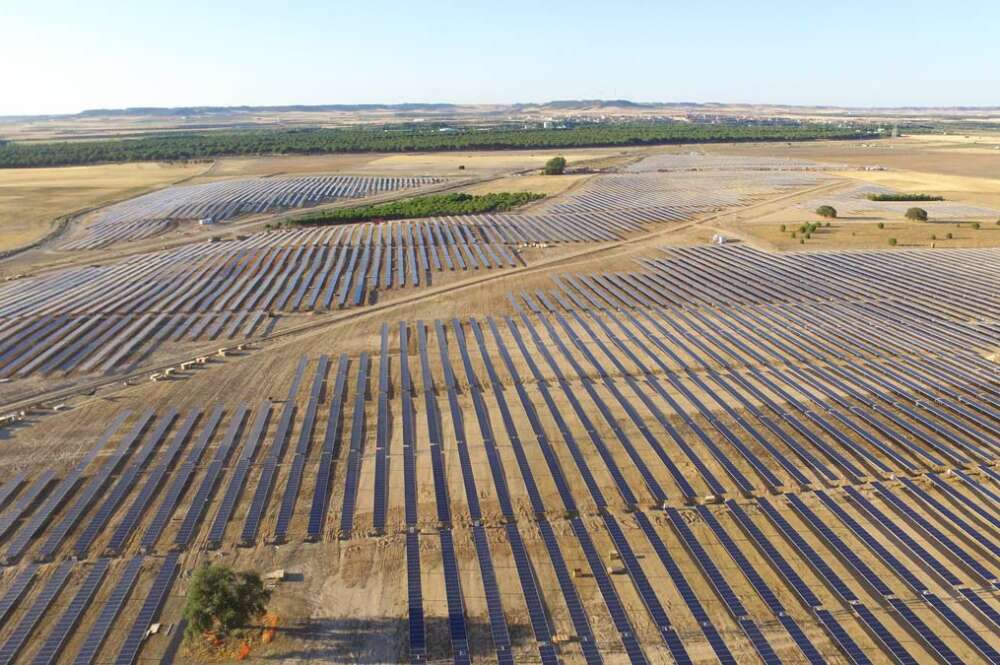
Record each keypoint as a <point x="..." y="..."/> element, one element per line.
<point x="62" y="56"/>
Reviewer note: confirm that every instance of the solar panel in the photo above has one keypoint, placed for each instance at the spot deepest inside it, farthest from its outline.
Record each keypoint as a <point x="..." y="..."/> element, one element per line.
<point x="929" y="637"/>
<point x="139" y="505"/>
<point x="822" y="528"/>
<point x="453" y="595"/>
<point x="97" y="483"/>
<point x="51" y="649"/>
<point x="409" y="431"/>
<point x="357" y="444"/>
<point x="25" y="501"/>
<point x="124" y="484"/>
<point x="646" y="592"/>
<point x="11" y="486"/>
<point x="203" y="496"/>
<point x="150" y="608"/>
<point x="30" y="619"/>
<point x="294" y="481"/>
<point x="182" y="476"/>
<point x="883" y="636"/>
<point x="611" y="598"/>
<point x="59" y="494"/>
<point x="330" y="452"/>
<point x="434" y="430"/>
<point x="15" y="592"/>
<point x="381" y="494"/>
<point x="494" y="606"/>
<point x="109" y="613"/>
<point x="265" y="484"/>
<point x="688" y="595"/>
<point x="708" y="567"/>
<point x="238" y="476"/>
<point x="414" y="599"/>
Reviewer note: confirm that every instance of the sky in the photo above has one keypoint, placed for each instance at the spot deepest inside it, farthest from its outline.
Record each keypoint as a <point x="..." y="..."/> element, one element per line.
<point x="64" y="56"/>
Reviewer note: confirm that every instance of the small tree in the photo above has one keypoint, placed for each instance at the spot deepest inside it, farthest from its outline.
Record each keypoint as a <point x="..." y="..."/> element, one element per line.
<point x="975" y="225"/>
<point x="555" y="166"/>
<point x="916" y="215"/>
<point x="828" y="212"/>
<point x="881" y="225"/>
<point x="221" y="600"/>
<point x="892" y="242"/>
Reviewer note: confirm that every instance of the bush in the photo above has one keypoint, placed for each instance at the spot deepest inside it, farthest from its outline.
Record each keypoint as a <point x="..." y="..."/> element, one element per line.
<point x="916" y="215"/>
<point x="949" y="236"/>
<point x="892" y="242"/>
<point x="975" y="225"/>
<point x="555" y="166"/>
<point x="221" y="600"/>
<point x="881" y="225"/>
<point x="827" y="211"/>
<point x="783" y="227"/>
<point x="903" y="197"/>
<point x="421" y="206"/>
<point x="933" y="236"/>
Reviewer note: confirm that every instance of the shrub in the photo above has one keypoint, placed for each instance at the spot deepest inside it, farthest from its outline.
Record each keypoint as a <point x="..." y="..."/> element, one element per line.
<point x="904" y="197"/>
<point x="555" y="166"/>
<point x="827" y="211"/>
<point x="916" y="214"/>
<point x="881" y="225"/>
<point x="783" y="227"/>
<point x="221" y="600"/>
<point x="802" y="241"/>
<point x="949" y="236"/>
<point x="892" y="242"/>
<point x="975" y="225"/>
<point x="933" y="236"/>
<point x="455" y="203"/>
<point x="793" y="234"/>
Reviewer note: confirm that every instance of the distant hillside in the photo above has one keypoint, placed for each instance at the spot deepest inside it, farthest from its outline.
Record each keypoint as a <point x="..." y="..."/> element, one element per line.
<point x="223" y="110"/>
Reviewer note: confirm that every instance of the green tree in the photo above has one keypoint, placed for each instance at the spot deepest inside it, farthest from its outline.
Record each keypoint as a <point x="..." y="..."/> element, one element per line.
<point x="555" y="166"/>
<point x="892" y="242"/>
<point x="916" y="214"/>
<point x="221" y="600"/>
<point x="827" y="211"/>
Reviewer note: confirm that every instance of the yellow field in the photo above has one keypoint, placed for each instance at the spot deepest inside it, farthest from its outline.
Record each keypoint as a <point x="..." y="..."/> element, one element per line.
<point x="863" y="233"/>
<point x="227" y="167"/>
<point x="540" y="184"/>
<point x="967" y="189"/>
<point x="32" y="199"/>
<point x="478" y="163"/>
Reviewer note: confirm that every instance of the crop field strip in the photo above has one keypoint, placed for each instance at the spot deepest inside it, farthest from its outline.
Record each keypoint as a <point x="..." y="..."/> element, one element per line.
<point x="880" y="542"/>
<point x="156" y="212"/>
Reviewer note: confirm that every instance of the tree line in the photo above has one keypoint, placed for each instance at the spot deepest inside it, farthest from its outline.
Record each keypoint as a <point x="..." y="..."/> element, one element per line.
<point x="192" y="145"/>
<point x="420" y="206"/>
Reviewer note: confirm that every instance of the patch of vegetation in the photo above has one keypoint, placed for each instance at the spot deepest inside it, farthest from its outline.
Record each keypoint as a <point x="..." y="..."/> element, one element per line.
<point x="403" y="138"/>
<point x="555" y="166"/>
<point x="903" y="197"/>
<point x="916" y="215"/>
<point x="421" y="206"/>
<point x="892" y="242"/>
<point x="220" y="600"/>
<point x="829" y="212"/>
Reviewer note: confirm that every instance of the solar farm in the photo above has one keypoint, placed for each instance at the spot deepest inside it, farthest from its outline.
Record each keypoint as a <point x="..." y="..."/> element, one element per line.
<point x="155" y="213"/>
<point x="577" y="433"/>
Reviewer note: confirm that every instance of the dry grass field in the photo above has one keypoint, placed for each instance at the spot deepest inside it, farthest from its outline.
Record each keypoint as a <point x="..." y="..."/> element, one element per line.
<point x="32" y="199"/>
